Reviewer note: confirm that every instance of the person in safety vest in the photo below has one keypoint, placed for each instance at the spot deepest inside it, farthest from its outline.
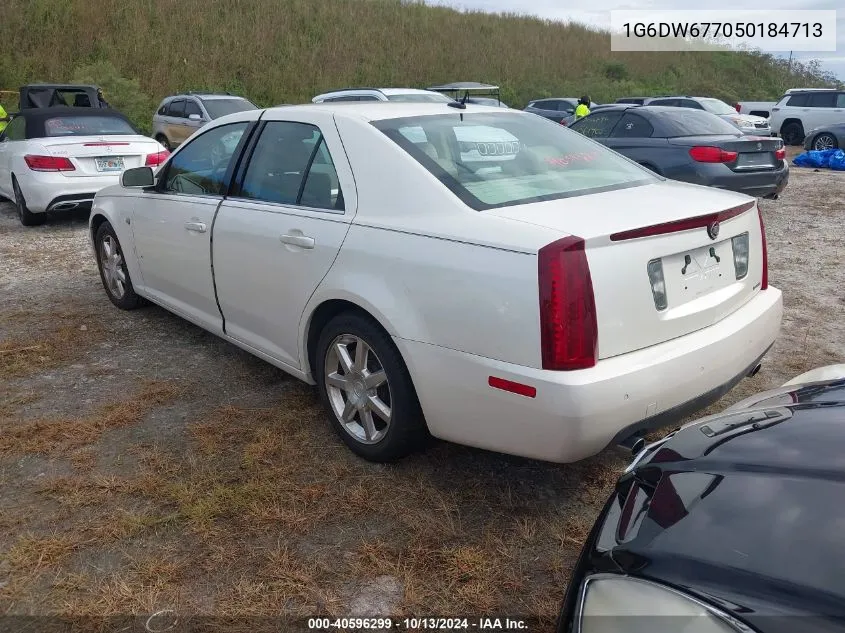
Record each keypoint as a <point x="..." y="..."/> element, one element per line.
<point x="583" y="108"/>
<point x="4" y="119"/>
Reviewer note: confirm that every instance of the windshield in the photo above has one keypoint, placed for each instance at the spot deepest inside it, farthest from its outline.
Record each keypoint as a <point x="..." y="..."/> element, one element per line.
<point x="87" y="126"/>
<point x="501" y="159"/>
<point x="687" y="122"/>
<point x="221" y="107"/>
<point x="717" y="107"/>
<point x="419" y="97"/>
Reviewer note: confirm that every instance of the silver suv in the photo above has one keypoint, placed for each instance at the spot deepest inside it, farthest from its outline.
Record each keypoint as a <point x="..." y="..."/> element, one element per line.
<point x="179" y="116"/>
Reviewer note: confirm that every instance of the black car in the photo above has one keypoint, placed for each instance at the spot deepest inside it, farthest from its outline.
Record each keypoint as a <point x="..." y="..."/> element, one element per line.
<point x="558" y="109"/>
<point x="735" y="522"/>
<point x="692" y="146"/>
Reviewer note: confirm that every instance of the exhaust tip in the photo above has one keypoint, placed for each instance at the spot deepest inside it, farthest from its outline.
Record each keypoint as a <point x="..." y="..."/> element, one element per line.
<point x="64" y="206"/>
<point x="754" y="371"/>
<point x="633" y="443"/>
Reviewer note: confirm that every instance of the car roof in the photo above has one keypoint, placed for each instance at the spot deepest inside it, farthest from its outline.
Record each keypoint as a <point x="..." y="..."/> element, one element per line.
<point x="36" y="117"/>
<point x="384" y="91"/>
<point x="380" y="110"/>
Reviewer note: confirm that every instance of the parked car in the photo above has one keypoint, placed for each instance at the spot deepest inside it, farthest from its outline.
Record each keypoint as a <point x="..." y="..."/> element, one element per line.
<point x="179" y="116"/>
<point x="756" y="108"/>
<point x="633" y="100"/>
<point x="730" y="524"/>
<point x="399" y="95"/>
<point x="825" y="137"/>
<point x="557" y="109"/>
<point x="54" y="159"/>
<point x="747" y="123"/>
<point x="692" y="146"/>
<point x="800" y="111"/>
<point x="55" y="95"/>
<point x="367" y="249"/>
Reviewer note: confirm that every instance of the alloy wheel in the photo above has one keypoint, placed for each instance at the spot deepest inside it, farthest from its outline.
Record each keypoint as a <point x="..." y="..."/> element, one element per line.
<point x="358" y="389"/>
<point x="111" y="261"/>
<point x="824" y="141"/>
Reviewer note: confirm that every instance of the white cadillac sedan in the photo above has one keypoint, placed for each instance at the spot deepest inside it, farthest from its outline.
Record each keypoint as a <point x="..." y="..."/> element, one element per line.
<point x="546" y="305"/>
<point x="55" y="159"/>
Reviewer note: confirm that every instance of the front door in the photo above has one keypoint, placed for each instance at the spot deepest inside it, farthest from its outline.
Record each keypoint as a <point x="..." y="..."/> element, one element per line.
<point x="172" y="225"/>
<point x="278" y="235"/>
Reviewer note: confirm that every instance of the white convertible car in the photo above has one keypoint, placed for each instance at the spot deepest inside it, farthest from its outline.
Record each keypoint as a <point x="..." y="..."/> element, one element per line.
<point x="57" y="158"/>
<point x="547" y="305"/>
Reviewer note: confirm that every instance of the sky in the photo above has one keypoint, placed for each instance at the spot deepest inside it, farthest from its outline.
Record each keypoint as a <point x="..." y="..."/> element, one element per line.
<point x="598" y="15"/>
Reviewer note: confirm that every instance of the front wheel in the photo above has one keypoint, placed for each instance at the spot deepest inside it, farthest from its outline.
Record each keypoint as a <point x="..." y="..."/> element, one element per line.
<point x="113" y="271"/>
<point x="825" y="141"/>
<point x="367" y="390"/>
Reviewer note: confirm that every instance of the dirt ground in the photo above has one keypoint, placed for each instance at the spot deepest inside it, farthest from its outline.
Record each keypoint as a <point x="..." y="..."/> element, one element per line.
<point x="147" y="466"/>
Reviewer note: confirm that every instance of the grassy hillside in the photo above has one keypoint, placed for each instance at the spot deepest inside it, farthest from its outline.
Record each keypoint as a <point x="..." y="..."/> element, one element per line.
<point x="286" y="51"/>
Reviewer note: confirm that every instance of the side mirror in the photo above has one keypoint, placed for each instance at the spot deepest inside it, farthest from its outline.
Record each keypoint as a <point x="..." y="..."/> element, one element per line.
<point x="195" y="117"/>
<point x="137" y="177"/>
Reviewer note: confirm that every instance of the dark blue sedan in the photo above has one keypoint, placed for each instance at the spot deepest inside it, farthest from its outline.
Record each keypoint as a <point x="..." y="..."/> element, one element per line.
<point x="691" y="146"/>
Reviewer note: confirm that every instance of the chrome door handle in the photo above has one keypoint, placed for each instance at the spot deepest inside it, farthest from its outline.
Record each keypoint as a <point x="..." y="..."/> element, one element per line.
<point x="198" y="227"/>
<point x="302" y="241"/>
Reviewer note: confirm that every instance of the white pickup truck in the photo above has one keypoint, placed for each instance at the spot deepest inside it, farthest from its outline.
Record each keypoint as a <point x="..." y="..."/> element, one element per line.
<point x="764" y="108"/>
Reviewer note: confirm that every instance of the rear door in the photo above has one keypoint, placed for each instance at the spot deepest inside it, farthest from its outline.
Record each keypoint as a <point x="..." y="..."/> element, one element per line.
<point x="172" y="225"/>
<point x="13" y="138"/>
<point x="823" y="110"/>
<point x="277" y="236"/>
<point x="192" y="125"/>
<point x="176" y="121"/>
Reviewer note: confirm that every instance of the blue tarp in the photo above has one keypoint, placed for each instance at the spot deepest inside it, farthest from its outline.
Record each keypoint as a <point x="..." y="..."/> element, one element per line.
<point x="820" y="158"/>
<point x="837" y="161"/>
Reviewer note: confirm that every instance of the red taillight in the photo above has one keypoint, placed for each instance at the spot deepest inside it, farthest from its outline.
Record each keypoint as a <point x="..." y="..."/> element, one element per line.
<point x="764" y="282"/>
<point x="780" y="154"/>
<point x="675" y="226"/>
<point x="156" y="159"/>
<point x="48" y="163"/>
<point x="568" y="330"/>
<point x="706" y="154"/>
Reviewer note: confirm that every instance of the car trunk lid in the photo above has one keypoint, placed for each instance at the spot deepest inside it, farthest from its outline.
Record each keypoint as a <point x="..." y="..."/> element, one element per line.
<point x="740" y="154"/>
<point x="626" y="232"/>
<point x="100" y="155"/>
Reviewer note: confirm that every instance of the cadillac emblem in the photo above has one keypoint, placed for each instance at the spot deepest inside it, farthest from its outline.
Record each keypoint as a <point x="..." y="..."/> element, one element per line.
<point x="713" y="230"/>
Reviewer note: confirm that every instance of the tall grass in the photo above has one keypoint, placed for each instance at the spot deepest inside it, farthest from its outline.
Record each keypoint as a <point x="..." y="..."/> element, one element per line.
<point x="286" y="51"/>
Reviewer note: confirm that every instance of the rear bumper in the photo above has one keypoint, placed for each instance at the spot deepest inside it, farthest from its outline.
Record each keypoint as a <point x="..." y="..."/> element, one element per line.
<point x="44" y="190"/>
<point x="576" y="414"/>
<point x="758" y="184"/>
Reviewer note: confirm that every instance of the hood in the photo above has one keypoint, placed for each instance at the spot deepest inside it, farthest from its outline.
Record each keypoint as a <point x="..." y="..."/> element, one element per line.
<point x="746" y="504"/>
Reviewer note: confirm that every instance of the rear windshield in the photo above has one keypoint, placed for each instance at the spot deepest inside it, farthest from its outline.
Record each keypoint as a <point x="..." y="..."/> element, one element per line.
<point x="221" y="107"/>
<point x="501" y="159"/>
<point x="87" y="126"/>
<point x="419" y="97"/>
<point x="689" y="122"/>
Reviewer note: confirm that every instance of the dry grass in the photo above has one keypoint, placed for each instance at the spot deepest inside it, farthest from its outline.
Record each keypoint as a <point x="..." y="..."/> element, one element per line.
<point x="63" y="435"/>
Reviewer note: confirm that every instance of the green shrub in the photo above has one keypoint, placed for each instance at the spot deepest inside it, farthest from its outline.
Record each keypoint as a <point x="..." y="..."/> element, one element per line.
<point x="121" y="93"/>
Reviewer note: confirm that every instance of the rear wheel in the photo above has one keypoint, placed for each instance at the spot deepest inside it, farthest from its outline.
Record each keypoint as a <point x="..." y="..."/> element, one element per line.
<point x="367" y="390"/>
<point x="27" y="217"/>
<point x="825" y="141"/>
<point x="113" y="271"/>
<point x="793" y="133"/>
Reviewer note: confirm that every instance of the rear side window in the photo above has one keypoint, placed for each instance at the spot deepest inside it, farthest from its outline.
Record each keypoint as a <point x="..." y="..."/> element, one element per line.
<point x="633" y="126"/>
<point x="87" y="126"/>
<point x="690" y="103"/>
<point x="822" y="100"/>
<point x="798" y="101"/>
<point x="695" y="123"/>
<point x="491" y="160"/>
<point x="291" y="164"/>
<point x="597" y="125"/>
<point x="16" y="129"/>
<point x="840" y="100"/>
<point x="664" y="102"/>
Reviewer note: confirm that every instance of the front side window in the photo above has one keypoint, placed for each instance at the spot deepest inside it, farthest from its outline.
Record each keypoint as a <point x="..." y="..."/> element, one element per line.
<point x="291" y="164"/>
<point x="597" y="125"/>
<point x="192" y="107"/>
<point x="87" y="126"/>
<point x="200" y="168"/>
<point x="798" y="101"/>
<point x="502" y="159"/>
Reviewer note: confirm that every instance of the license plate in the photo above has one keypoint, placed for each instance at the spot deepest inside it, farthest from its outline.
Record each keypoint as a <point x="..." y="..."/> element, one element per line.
<point x="697" y="272"/>
<point x="755" y="159"/>
<point x="110" y="163"/>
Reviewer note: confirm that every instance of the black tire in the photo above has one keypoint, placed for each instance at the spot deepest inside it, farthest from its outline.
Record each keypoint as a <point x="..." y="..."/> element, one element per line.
<point x="161" y="138"/>
<point x="128" y="300"/>
<point x="792" y="133"/>
<point x="825" y="141"/>
<point x="406" y="431"/>
<point x="27" y="217"/>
